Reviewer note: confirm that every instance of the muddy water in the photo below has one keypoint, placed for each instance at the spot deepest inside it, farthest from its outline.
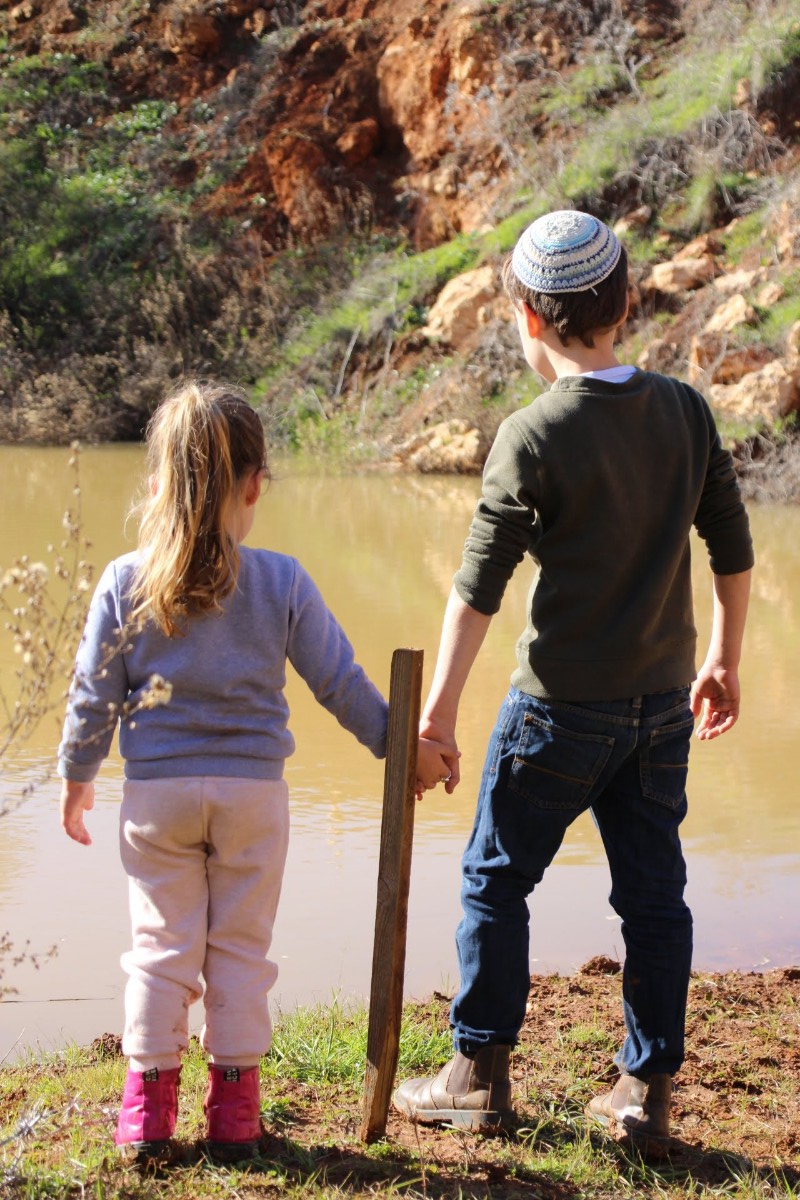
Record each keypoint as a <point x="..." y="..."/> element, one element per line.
<point x="383" y="551"/>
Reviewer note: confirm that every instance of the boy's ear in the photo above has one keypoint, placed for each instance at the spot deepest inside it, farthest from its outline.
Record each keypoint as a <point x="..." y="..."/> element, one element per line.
<point x="533" y="322"/>
<point x="617" y="330"/>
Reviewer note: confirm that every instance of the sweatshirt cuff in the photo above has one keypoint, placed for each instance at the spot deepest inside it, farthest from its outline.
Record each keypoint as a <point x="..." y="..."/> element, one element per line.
<point x="732" y="560"/>
<point x="480" y="598"/>
<point x="78" y="772"/>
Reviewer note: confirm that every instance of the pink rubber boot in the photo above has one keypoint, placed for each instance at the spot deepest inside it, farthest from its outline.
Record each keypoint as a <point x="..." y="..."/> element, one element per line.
<point x="233" y="1113"/>
<point x="148" y="1115"/>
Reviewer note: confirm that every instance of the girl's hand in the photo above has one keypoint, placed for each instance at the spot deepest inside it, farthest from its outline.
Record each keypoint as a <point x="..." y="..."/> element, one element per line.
<point x="76" y="798"/>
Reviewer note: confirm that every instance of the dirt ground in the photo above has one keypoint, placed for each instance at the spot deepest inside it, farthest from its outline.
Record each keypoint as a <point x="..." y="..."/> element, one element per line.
<point x="736" y="1105"/>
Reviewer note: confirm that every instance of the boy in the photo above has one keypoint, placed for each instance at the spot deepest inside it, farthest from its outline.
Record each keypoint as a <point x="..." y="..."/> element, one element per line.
<point x="601" y="479"/>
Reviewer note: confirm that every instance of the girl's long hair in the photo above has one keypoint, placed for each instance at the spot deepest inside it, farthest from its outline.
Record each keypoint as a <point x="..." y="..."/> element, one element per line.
<point x="202" y="441"/>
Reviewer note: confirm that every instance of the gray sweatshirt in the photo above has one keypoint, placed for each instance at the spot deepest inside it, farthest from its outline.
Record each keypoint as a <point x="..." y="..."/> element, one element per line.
<point x="601" y="483"/>
<point x="227" y="714"/>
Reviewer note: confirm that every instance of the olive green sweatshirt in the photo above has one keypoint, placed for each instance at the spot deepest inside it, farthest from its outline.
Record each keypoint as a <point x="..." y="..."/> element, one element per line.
<point x="601" y="483"/>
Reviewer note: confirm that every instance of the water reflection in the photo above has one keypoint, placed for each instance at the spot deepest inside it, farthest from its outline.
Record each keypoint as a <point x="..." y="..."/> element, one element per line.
<point x="383" y="551"/>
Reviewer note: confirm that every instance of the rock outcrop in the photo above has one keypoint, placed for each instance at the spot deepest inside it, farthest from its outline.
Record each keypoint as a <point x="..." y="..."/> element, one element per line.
<point x="448" y="448"/>
<point x="462" y="305"/>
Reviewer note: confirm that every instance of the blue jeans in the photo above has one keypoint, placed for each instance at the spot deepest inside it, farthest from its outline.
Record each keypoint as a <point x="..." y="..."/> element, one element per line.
<point x="547" y="762"/>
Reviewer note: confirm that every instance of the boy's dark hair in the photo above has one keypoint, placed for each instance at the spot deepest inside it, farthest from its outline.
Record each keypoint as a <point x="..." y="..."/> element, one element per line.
<point x="575" y="314"/>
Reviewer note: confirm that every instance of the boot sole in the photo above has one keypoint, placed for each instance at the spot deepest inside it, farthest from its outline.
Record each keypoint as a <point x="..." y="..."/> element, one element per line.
<point x="461" y="1118"/>
<point x="232" y="1152"/>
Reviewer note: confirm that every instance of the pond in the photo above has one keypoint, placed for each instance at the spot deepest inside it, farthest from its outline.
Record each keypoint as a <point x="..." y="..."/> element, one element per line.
<point x="383" y="549"/>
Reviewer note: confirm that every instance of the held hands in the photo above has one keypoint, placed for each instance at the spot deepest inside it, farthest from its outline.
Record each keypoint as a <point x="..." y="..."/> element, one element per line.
<point x="76" y="798"/>
<point x="715" y="699"/>
<point x="437" y="757"/>
<point x="437" y="762"/>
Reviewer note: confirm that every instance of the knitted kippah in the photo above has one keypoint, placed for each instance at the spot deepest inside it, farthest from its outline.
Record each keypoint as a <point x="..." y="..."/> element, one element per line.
<point x="565" y="251"/>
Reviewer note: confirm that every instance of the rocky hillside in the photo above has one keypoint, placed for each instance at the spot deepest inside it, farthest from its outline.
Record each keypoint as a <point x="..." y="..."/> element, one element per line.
<point x="313" y="198"/>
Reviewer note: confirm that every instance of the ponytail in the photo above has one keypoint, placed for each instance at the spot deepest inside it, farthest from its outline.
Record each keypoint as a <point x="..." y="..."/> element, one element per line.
<point x="201" y="443"/>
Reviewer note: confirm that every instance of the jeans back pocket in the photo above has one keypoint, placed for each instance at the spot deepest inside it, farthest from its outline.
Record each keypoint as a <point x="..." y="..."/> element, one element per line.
<point x="664" y="763"/>
<point x="556" y="768"/>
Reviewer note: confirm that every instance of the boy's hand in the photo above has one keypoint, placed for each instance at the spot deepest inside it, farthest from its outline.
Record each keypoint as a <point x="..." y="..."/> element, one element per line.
<point x="76" y="798"/>
<point x="715" y="699"/>
<point x="435" y="764"/>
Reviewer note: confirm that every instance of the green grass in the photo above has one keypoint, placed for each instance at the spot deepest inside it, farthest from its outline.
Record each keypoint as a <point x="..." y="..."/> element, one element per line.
<point x="777" y="321"/>
<point x="328" y="1044"/>
<point x="583" y="93"/>
<point x="57" y="1117"/>
<point x="747" y="232"/>
<point x="393" y="287"/>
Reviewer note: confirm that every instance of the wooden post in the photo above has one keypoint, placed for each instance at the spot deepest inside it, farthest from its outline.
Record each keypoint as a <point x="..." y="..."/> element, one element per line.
<point x="394" y="873"/>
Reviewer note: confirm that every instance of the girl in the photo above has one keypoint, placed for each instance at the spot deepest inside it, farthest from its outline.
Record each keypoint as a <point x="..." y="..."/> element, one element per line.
<point x="185" y="648"/>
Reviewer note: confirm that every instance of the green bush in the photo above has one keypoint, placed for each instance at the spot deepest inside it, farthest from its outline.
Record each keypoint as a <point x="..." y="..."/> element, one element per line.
<point x="76" y="218"/>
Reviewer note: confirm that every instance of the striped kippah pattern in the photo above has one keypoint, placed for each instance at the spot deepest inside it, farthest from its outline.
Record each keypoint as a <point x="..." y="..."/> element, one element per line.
<point x="565" y="251"/>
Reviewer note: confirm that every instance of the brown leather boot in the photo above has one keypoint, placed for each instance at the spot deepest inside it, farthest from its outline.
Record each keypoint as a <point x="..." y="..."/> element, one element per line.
<point x="636" y="1111"/>
<point x="471" y="1093"/>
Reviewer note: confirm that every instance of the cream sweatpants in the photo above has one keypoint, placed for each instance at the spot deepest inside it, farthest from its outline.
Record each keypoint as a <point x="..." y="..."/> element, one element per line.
<point x="204" y="858"/>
